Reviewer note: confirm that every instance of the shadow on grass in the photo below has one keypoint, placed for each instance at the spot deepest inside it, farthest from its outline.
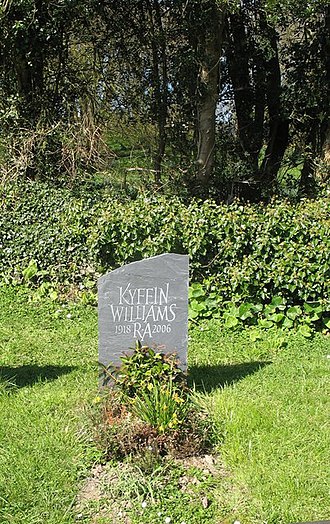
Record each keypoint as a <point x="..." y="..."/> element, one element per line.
<point x="208" y="378"/>
<point x="21" y="376"/>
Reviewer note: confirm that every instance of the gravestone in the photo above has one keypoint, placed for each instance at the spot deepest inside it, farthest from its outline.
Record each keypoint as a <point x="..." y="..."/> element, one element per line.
<point x="144" y="301"/>
<point x="315" y="522"/>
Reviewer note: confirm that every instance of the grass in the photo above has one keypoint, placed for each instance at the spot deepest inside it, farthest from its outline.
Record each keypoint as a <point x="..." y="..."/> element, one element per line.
<point x="48" y="372"/>
<point x="274" y="414"/>
<point x="270" y="400"/>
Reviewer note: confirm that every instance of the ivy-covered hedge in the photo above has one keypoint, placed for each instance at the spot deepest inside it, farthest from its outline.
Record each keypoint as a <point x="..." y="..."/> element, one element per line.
<point x="250" y="251"/>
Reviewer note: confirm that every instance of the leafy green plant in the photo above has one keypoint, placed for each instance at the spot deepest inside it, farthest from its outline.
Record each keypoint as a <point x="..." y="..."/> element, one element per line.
<point x="141" y="367"/>
<point x="238" y="253"/>
<point x="162" y="421"/>
<point x="149" y="406"/>
<point x="30" y="271"/>
<point x="246" y="313"/>
<point x="278" y="313"/>
<point x="46" y="290"/>
<point x="201" y="303"/>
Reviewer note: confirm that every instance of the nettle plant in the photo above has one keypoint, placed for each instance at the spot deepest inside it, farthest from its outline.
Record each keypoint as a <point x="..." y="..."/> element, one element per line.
<point x="145" y="367"/>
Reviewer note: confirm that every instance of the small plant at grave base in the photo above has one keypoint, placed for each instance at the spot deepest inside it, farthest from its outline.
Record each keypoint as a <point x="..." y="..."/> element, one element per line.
<point x="144" y="365"/>
<point x="150" y="408"/>
<point x="161" y="406"/>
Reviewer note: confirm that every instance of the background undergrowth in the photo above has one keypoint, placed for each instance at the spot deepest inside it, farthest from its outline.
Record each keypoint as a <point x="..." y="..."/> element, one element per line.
<point x="244" y="253"/>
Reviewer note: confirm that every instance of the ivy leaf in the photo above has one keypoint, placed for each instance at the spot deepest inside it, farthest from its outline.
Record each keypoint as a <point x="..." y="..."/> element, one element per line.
<point x="193" y="314"/>
<point x="197" y="293"/>
<point x="278" y="301"/>
<point x="255" y="335"/>
<point x="231" y="321"/>
<point x="264" y="323"/>
<point x="30" y="271"/>
<point x="287" y="323"/>
<point x="294" y="312"/>
<point x="269" y="310"/>
<point x="277" y="317"/>
<point x="244" y="311"/>
<point x="305" y="330"/>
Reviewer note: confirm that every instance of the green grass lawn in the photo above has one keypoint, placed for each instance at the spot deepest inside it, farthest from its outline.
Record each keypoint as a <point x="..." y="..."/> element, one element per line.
<point x="270" y="400"/>
<point x="275" y="418"/>
<point x="51" y="363"/>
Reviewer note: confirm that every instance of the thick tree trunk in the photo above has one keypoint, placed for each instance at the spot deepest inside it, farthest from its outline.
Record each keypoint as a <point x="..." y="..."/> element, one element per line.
<point x="249" y="90"/>
<point x="278" y="123"/>
<point x="276" y="147"/>
<point x="160" y="81"/>
<point x="210" y="45"/>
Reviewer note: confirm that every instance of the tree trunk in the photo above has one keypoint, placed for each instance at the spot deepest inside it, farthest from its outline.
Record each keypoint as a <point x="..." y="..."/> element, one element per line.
<point x="210" y="45"/>
<point x="160" y="81"/>
<point x="29" y="67"/>
<point x="326" y="135"/>
<point x="278" y="123"/>
<point x="249" y="89"/>
<point x="317" y="141"/>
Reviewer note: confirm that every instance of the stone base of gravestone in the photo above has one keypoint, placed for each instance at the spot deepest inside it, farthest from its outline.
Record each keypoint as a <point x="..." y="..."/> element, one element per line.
<point x="145" y="301"/>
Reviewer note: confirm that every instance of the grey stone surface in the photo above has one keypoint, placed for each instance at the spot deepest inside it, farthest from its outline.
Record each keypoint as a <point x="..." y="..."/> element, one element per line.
<point x="145" y="301"/>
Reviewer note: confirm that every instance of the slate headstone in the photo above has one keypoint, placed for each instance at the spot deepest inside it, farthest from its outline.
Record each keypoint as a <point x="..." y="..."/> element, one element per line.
<point x="144" y="301"/>
<point x="315" y="522"/>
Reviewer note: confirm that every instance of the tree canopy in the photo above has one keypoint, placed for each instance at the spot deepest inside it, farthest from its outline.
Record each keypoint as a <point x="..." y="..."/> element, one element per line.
<point x="233" y="95"/>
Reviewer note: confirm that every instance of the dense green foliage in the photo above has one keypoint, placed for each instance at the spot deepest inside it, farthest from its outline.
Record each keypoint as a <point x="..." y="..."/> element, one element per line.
<point x="279" y="313"/>
<point x="242" y="252"/>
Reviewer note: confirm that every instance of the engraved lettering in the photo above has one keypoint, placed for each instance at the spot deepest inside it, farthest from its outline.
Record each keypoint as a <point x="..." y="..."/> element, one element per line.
<point x="150" y="299"/>
<point x="117" y="312"/>
<point x="172" y="307"/>
<point x="163" y="295"/>
<point x="140" y="312"/>
<point x="137" y="333"/>
<point x="150" y="314"/>
<point x="140" y="295"/>
<point x="147" y="331"/>
<point x="122" y="294"/>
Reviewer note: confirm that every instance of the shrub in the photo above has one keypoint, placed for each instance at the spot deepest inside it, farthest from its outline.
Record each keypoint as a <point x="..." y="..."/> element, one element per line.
<point x="48" y="226"/>
<point x="143" y="367"/>
<point x="243" y="253"/>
